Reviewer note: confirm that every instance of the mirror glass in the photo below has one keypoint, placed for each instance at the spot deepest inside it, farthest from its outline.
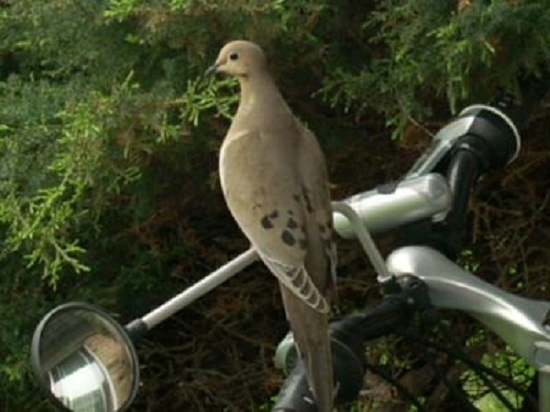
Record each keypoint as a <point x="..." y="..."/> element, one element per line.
<point x="85" y="359"/>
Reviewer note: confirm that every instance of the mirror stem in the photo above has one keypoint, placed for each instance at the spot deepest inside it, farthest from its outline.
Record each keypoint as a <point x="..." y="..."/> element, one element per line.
<point x="136" y="329"/>
<point x="192" y="293"/>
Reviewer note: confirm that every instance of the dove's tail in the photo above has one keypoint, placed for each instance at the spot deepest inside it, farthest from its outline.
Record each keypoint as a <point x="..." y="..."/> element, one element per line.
<point x="310" y="330"/>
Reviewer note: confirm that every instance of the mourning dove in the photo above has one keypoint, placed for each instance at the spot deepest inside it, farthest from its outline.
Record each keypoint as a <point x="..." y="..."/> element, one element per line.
<point x="274" y="180"/>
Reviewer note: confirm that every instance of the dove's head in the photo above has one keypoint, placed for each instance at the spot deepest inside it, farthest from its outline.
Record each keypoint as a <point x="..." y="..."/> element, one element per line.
<point x="241" y="59"/>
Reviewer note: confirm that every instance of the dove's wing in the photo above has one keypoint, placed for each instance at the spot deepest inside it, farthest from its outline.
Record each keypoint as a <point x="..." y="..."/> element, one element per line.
<point x="315" y="180"/>
<point x="267" y="198"/>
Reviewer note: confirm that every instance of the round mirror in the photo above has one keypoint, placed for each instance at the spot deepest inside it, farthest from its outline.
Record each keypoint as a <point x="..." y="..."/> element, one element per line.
<point x="85" y="360"/>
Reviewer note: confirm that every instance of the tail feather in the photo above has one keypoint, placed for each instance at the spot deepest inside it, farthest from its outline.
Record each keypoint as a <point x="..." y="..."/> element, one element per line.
<point x="310" y="330"/>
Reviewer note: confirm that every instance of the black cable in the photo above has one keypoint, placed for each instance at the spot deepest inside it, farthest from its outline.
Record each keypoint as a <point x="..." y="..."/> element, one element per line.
<point x="456" y="392"/>
<point x="398" y="385"/>
<point x="481" y="370"/>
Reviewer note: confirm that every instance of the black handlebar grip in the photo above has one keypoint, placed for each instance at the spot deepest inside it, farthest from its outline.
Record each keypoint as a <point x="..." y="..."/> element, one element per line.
<point x="347" y="359"/>
<point x="296" y="396"/>
<point x="492" y="135"/>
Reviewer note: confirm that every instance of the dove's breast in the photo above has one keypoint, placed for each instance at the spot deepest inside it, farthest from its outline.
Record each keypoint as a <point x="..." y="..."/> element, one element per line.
<point x="239" y="157"/>
<point x="256" y="176"/>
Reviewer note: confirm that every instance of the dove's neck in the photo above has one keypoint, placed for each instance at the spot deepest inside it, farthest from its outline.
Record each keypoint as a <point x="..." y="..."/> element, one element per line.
<point x="259" y="92"/>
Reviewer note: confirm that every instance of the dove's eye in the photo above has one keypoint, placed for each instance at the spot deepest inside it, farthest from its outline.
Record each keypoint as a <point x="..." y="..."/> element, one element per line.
<point x="234" y="56"/>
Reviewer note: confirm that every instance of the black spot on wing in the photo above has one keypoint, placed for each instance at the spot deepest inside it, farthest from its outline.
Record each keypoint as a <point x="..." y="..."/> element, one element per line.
<point x="303" y="244"/>
<point x="266" y="223"/>
<point x="267" y="220"/>
<point x="288" y="238"/>
<point x="291" y="223"/>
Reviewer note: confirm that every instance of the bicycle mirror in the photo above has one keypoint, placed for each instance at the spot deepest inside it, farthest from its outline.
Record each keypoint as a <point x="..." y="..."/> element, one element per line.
<point x="85" y="360"/>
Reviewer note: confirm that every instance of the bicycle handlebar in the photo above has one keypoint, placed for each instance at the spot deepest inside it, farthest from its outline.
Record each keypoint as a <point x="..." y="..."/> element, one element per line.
<point x="347" y="337"/>
<point x="488" y="139"/>
<point x="481" y="139"/>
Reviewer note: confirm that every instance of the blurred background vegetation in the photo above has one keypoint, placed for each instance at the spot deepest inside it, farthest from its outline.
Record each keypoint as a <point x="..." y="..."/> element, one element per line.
<point x="108" y="164"/>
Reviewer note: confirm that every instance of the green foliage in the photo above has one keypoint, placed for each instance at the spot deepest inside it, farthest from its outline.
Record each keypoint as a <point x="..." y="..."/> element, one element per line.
<point x="430" y="46"/>
<point x="507" y="362"/>
<point x="109" y="131"/>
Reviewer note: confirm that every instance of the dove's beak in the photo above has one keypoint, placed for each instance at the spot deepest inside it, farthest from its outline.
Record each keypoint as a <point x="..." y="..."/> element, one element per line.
<point x="212" y="69"/>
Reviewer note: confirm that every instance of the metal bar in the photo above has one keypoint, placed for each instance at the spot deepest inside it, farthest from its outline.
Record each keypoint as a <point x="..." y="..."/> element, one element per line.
<point x="231" y="268"/>
<point x="544" y="389"/>
<point x="365" y="239"/>
<point x="200" y="288"/>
